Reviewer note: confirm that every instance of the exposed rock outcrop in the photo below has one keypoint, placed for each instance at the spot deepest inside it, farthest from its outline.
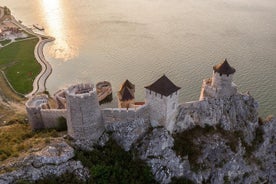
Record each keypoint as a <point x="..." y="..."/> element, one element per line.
<point x="238" y="112"/>
<point x="156" y="150"/>
<point x="127" y="133"/>
<point x="54" y="159"/>
<point x="225" y="156"/>
<point x="223" y="142"/>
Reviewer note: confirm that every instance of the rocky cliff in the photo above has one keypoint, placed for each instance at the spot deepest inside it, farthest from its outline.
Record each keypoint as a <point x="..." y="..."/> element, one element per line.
<point x="214" y="141"/>
<point x="55" y="159"/>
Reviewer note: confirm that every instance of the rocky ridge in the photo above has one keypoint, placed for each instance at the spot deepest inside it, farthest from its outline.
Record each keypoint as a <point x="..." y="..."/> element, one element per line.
<point x="214" y="141"/>
<point x="55" y="159"/>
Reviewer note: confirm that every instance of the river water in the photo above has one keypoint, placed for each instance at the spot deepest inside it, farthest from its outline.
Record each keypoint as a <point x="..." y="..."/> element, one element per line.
<point x="141" y="40"/>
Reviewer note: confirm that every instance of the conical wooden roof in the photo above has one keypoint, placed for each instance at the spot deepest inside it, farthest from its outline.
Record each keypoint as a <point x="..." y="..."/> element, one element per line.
<point x="163" y="86"/>
<point x="126" y="94"/>
<point x="224" y="68"/>
<point x="126" y="91"/>
<point x="127" y="84"/>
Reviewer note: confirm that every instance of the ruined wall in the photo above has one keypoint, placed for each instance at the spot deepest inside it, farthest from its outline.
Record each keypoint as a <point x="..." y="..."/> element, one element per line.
<point x="35" y="118"/>
<point x="50" y="117"/>
<point x="112" y="115"/>
<point x="33" y="107"/>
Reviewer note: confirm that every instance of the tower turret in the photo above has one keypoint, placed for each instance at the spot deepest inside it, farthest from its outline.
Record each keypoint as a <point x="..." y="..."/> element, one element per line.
<point x="220" y="85"/>
<point x="84" y="118"/>
<point x="162" y="98"/>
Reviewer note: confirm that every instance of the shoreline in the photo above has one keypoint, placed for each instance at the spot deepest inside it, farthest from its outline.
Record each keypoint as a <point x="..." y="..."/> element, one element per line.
<point x="39" y="83"/>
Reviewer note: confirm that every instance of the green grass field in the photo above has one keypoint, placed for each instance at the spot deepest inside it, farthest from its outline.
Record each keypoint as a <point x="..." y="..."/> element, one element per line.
<point x="18" y="62"/>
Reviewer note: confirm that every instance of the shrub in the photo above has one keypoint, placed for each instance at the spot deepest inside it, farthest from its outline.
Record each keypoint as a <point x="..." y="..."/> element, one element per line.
<point x="111" y="164"/>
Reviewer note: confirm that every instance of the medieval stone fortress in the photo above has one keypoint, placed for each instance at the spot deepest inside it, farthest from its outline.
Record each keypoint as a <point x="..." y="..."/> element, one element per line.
<point x="86" y="120"/>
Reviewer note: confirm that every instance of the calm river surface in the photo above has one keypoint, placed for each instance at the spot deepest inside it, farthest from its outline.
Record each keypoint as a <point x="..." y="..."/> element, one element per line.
<point x="141" y="40"/>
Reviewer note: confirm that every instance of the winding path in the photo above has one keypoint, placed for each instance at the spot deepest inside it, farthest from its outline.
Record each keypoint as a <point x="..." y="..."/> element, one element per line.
<point x="39" y="84"/>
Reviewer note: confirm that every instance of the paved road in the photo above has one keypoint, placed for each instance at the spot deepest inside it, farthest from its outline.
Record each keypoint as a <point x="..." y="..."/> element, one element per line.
<point x="39" y="84"/>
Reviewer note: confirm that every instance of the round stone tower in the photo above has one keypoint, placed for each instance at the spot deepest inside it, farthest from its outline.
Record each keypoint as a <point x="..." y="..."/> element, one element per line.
<point x="84" y="118"/>
<point x="223" y="75"/>
<point x="221" y="84"/>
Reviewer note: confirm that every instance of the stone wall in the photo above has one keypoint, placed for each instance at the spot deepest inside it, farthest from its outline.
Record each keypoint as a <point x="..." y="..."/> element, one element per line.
<point x="111" y="115"/>
<point x="33" y="107"/>
<point x="35" y="118"/>
<point x="50" y="117"/>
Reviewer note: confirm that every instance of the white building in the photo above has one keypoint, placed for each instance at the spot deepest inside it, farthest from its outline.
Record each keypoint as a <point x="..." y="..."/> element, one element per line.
<point x="220" y="85"/>
<point x="162" y="99"/>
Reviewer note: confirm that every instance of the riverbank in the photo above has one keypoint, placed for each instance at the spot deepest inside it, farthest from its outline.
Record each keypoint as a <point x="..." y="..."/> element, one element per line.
<point x="39" y="84"/>
<point x="36" y="76"/>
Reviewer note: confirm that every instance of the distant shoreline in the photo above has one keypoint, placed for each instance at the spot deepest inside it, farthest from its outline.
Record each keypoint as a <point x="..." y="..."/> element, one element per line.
<point x="39" y="83"/>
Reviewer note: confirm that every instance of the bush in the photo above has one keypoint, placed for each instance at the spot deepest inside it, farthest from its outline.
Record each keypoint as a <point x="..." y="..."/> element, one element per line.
<point x="184" y="142"/>
<point x="111" y="164"/>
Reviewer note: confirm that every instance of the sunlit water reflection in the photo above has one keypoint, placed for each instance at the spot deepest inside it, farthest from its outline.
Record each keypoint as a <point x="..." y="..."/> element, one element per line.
<point x="140" y="40"/>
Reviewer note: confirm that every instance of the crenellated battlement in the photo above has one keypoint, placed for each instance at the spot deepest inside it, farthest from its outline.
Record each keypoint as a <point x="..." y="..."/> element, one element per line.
<point x="81" y="90"/>
<point x="112" y="115"/>
<point x="86" y="121"/>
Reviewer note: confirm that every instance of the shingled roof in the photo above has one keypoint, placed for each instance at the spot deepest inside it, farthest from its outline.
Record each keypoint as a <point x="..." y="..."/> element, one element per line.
<point x="126" y="91"/>
<point x="127" y="84"/>
<point x="224" y="68"/>
<point x="126" y="94"/>
<point x="163" y="86"/>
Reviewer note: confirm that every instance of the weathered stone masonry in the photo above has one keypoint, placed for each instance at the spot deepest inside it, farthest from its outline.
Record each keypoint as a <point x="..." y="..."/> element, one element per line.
<point x="87" y="121"/>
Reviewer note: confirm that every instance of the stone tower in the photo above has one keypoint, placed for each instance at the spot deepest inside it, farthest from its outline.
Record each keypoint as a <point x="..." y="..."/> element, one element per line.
<point x="162" y="98"/>
<point x="33" y="107"/>
<point x="220" y="85"/>
<point x="84" y="118"/>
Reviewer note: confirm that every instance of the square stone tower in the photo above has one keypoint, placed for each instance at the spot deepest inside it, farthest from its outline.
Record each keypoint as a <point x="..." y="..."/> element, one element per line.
<point x="162" y="99"/>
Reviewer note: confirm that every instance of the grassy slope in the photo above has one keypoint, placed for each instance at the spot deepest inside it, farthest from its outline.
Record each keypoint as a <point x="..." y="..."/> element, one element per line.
<point x="19" y="64"/>
<point x="18" y="138"/>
